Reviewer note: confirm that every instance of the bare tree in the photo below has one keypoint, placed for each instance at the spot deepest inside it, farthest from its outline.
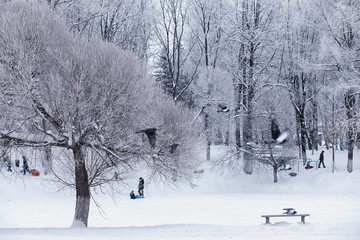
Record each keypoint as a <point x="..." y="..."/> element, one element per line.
<point x="128" y="24"/>
<point x="87" y="97"/>
<point x="342" y="27"/>
<point x="173" y="55"/>
<point x="301" y="51"/>
<point x="206" y="24"/>
<point x="251" y="23"/>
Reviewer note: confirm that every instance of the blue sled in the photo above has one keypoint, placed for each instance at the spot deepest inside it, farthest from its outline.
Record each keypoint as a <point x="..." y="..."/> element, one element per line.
<point x="139" y="197"/>
<point x="22" y="171"/>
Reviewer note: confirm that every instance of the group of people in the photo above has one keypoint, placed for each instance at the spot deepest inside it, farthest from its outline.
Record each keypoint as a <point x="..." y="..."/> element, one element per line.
<point x="25" y="166"/>
<point x="321" y="162"/>
<point x="140" y="189"/>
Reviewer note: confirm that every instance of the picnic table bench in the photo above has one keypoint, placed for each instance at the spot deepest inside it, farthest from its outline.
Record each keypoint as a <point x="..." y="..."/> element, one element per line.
<point x="267" y="217"/>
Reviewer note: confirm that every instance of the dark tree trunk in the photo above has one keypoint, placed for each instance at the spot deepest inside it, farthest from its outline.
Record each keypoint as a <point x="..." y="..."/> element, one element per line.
<point x="208" y="134"/>
<point x="301" y="131"/>
<point x="315" y="121"/>
<point x="303" y="134"/>
<point x="299" y="102"/>
<point x="227" y="133"/>
<point x="238" y="135"/>
<point x="274" y="164"/>
<point x="248" y="102"/>
<point x="248" y="137"/>
<point x="350" y="156"/>
<point x="334" y="136"/>
<point x="351" y="132"/>
<point x="248" y="76"/>
<point x="325" y="129"/>
<point x="82" y="189"/>
<point x="239" y="90"/>
<point x="275" y="168"/>
<point x="298" y="141"/>
<point x="238" y="120"/>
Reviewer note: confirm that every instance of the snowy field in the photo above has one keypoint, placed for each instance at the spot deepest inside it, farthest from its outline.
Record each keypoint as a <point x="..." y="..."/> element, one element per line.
<point x="218" y="208"/>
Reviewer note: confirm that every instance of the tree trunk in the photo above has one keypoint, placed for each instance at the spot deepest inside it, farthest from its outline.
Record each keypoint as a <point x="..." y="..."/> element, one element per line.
<point x="238" y="131"/>
<point x="350" y="156"/>
<point x="248" y="135"/>
<point x="333" y="127"/>
<point x="227" y="133"/>
<point x="274" y="164"/>
<point x="239" y="88"/>
<point x="208" y="134"/>
<point x="303" y="134"/>
<point x="351" y="132"/>
<point x="315" y="122"/>
<point x="298" y="142"/>
<point x="47" y="162"/>
<point x="275" y="168"/>
<point x="248" y="76"/>
<point x="243" y="63"/>
<point x="300" y="118"/>
<point x="299" y="103"/>
<point x="82" y="189"/>
<point x="325" y="129"/>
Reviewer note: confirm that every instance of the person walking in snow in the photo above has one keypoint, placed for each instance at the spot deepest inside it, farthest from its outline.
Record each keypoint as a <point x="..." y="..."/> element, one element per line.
<point x="141" y="186"/>
<point x="9" y="166"/>
<point x="321" y="159"/>
<point x="25" y="165"/>
<point x="8" y="163"/>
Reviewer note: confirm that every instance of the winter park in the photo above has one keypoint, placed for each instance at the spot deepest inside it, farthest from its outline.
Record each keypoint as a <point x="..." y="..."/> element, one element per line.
<point x="179" y="119"/>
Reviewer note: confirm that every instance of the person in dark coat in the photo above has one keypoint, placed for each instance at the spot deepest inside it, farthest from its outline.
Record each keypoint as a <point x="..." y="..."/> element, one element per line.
<point x="9" y="167"/>
<point x="132" y="195"/>
<point x="25" y="165"/>
<point x="321" y="159"/>
<point x="141" y="186"/>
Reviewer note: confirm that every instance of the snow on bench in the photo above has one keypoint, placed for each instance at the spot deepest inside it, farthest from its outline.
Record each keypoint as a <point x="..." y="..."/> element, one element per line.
<point x="283" y="215"/>
<point x="290" y="213"/>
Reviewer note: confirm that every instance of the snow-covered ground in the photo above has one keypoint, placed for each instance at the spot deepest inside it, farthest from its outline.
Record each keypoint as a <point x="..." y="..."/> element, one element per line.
<point x="219" y="208"/>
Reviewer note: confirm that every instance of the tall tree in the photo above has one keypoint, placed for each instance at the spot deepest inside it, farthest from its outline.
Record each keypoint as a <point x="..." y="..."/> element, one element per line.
<point x="300" y="54"/>
<point x="206" y="24"/>
<point x="342" y="28"/>
<point x="86" y="97"/>
<point x="173" y="70"/>
<point x="128" y="24"/>
<point x="250" y="36"/>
